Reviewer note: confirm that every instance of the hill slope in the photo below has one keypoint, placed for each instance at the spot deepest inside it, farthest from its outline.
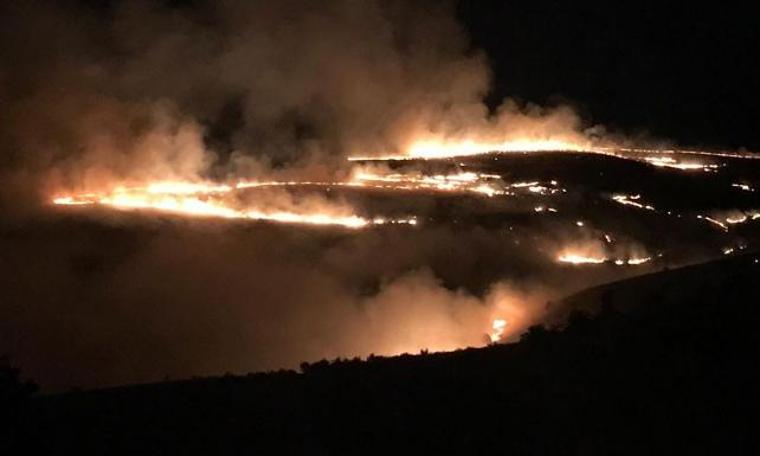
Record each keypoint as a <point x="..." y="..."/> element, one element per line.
<point x="667" y="364"/>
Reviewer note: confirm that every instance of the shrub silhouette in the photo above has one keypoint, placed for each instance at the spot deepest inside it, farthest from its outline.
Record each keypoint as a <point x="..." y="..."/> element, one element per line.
<point x="14" y="401"/>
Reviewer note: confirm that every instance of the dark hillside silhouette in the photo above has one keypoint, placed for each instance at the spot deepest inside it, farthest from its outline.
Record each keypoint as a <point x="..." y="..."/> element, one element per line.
<point x="15" y="395"/>
<point x="666" y="364"/>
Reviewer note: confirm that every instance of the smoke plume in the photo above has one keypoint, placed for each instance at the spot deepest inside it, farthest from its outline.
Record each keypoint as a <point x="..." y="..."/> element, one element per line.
<point x="134" y="92"/>
<point x="141" y="90"/>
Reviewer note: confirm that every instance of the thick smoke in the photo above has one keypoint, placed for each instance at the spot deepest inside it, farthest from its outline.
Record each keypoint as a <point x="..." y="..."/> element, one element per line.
<point x="141" y="91"/>
<point x="98" y="302"/>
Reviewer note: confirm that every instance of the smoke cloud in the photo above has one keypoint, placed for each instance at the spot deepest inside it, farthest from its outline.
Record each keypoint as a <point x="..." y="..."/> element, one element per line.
<point x="140" y="91"/>
<point x="99" y="302"/>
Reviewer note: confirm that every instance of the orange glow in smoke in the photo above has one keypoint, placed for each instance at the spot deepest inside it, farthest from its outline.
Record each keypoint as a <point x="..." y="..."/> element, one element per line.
<point x="429" y="149"/>
<point x="441" y="149"/>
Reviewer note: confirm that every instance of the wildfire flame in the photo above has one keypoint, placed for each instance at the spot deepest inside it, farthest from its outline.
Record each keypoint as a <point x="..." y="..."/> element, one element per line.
<point x="739" y="217"/>
<point x="197" y="199"/>
<point x="497" y="330"/>
<point x="207" y="199"/>
<point x="633" y="261"/>
<point x="669" y="162"/>
<point x="428" y="149"/>
<point x="444" y="149"/>
<point x="574" y="258"/>
<point x="591" y="253"/>
<point x="745" y="187"/>
<point x="485" y="184"/>
<point x="715" y="222"/>
<point x="632" y="200"/>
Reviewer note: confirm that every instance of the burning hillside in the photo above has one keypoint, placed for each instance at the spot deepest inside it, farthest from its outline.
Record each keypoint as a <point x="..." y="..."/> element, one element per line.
<point x="206" y="186"/>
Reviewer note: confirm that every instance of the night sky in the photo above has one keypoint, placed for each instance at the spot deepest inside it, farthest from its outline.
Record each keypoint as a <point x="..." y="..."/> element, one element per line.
<point x="684" y="70"/>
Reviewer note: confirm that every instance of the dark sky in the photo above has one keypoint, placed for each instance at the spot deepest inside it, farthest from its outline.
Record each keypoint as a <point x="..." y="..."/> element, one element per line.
<point x="676" y="69"/>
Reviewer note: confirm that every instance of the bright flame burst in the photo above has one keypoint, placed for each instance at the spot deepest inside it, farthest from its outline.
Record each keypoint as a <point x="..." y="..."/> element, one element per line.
<point x="497" y="330"/>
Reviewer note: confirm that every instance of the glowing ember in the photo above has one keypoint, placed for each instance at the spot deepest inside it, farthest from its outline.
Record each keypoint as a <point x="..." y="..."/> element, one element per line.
<point x="549" y="188"/>
<point x="595" y="254"/>
<point x="739" y="217"/>
<point x="638" y="261"/>
<point x="745" y="187"/>
<point x="669" y="162"/>
<point x="632" y="200"/>
<point x="662" y="151"/>
<point x="524" y="184"/>
<point x="485" y="184"/>
<point x="715" y="222"/>
<point x="497" y="330"/>
<point x="735" y="220"/>
<point x="537" y="189"/>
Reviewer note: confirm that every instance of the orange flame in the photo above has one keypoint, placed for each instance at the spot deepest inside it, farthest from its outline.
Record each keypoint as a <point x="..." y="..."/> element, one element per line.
<point x="574" y="258"/>
<point x="196" y="199"/>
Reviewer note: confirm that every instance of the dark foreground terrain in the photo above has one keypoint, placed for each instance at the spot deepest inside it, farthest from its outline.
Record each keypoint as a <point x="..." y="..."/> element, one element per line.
<point x="665" y="363"/>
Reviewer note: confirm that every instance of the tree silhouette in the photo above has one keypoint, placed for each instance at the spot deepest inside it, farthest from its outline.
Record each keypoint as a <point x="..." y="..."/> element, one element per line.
<point x="12" y="388"/>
